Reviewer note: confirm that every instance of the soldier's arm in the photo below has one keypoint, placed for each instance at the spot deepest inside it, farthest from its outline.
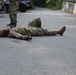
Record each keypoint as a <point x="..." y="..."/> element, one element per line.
<point x="17" y="35"/>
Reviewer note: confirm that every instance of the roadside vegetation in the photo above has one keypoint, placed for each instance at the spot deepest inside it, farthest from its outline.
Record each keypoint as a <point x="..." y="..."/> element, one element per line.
<point x="51" y="4"/>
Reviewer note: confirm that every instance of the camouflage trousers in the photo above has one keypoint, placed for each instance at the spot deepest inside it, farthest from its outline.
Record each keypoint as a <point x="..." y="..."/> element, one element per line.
<point x="20" y="32"/>
<point x="13" y="11"/>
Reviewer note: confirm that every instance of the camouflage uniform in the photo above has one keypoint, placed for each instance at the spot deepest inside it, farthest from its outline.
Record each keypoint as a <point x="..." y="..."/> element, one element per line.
<point x="18" y="32"/>
<point x="13" y="11"/>
<point x="33" y="29"/>
<point x="35" y="23"/>
<point x="22" y="32"/>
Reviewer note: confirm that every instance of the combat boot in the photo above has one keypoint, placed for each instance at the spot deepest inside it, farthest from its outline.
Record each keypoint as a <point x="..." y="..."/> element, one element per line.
<point x="61" y="31"/>
<point x="12" y="25"/>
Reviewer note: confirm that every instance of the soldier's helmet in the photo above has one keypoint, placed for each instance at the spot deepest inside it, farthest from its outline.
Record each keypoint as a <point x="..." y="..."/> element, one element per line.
<point x="35" y="23"/>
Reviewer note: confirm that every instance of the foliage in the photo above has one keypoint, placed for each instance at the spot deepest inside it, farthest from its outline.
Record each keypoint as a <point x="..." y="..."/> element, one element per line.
<point x="39" y="2"/>
<point x="56" y="4"/>
<point x="47" y="1"/>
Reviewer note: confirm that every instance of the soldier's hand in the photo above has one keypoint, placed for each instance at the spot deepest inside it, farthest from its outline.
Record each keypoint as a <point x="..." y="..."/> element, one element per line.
<point x="27" y="37"/>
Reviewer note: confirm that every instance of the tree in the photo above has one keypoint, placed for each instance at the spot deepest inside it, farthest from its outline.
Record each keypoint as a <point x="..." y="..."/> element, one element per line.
<point x="51" y="3"/>
<point x="54" y="3"/>
<point x="39" y="2"/>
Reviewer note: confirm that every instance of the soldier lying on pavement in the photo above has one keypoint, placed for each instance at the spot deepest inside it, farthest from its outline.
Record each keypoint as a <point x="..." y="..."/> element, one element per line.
<point x="33" y="29"/>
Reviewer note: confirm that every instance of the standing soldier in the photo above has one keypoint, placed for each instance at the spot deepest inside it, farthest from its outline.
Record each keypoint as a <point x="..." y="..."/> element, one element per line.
<point x="12" y="14"/>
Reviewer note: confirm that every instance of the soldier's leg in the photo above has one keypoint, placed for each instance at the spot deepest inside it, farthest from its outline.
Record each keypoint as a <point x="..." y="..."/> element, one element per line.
<point x="17" y="35"/>
<point x="13" y="13"/>
<point x="13" y="17"/>
<point x="35" y="23"/>
<point x="49" y="33"/>
<point x="52" y="33"/>
<point x="45" y="32"/>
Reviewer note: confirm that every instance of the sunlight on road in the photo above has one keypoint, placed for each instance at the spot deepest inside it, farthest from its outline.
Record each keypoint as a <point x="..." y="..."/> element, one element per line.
<point x="71" y="26"/>
<point x="42" y="13"/>
<point x="68" y="18"/>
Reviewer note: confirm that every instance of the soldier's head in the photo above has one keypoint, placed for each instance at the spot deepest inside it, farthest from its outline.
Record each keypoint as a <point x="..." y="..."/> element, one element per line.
<point x="4" y="32"/>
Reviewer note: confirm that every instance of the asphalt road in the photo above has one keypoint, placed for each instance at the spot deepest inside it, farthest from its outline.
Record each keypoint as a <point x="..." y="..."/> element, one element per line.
<point x="50" y="55"/>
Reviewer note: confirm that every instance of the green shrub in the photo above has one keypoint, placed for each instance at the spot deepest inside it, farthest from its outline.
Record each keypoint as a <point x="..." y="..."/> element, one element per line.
<point x="52" y="4"/>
